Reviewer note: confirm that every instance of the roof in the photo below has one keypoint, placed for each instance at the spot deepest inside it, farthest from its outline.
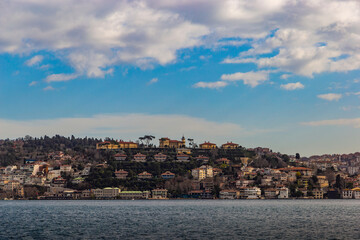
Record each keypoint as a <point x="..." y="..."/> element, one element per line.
<point x="145" y="173"/>
<point x="168" y="173"/>
<point x="295" y="169"/>
<point x="230" y="143"/>
<point x="120" y="155"/>
<point x="139" y="154"/>
<point x="123" y="142"/>
<point x="121" y="171"/>
<point x="131" y="192"/>
<point x="207" y="143"/>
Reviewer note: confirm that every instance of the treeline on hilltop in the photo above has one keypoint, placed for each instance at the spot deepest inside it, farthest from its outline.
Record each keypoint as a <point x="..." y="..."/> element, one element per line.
<point x="15" y="151"/>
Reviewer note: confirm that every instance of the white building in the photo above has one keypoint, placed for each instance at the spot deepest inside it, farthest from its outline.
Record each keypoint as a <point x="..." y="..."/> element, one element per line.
<point x="205" y="171"/>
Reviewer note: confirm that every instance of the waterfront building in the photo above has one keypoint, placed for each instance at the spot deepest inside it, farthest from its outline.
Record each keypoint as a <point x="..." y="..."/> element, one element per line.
<point x="159" y="193"/>
<point x="86" y="194"/>
<point x="110" y="192"/>
<point x="207" y="145"/>
<point x="201" y="194"/>
<point x="346" y="194"/>
<point x="250" y="193"/>
<point x="134" y="194"/>
<point x="229" y="194"/>
<point x="271" y="193"/>
<point x="356" y="192"/>
<point x="318" y="193"/>
<point x="98" y="193"/>
<point x="283" y="193"/>
<point x="230" y="145"/>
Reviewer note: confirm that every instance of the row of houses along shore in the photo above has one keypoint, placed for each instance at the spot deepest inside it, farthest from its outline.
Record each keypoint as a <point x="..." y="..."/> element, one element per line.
<point x="206" y="175"/>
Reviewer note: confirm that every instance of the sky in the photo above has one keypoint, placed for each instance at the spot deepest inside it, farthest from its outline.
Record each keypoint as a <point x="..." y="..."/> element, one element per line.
<point x="282" y="74"/>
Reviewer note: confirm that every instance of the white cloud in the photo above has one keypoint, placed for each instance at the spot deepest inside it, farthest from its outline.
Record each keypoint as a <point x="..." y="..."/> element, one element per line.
<point x="330" y="96"/>
<point x="61" y="77"/>
<point x="129" y="126"/>
<point x="48" y="88"/>
<point x="353" y="122"/>
<point x="34" y="60"/>
<point x="292" y="86"/>
<point x="214" y="85"/>
<point x="93" y="36"/>
<point x="249" y="78"/>
<point x="152" y="81"/>
<point x="285" y="76"/>
<point x="33" y="83"/>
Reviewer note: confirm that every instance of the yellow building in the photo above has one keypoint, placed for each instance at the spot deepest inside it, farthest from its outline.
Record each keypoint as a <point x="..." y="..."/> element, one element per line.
<point x="208" y="145"/>
<point x="116" y="145"/>
<point x="168" y="143"/>
<point x="323" y="182"/>
<point x="230" y="145"/>
<point x="107" y="145"/>
<point x="123" y="144"/>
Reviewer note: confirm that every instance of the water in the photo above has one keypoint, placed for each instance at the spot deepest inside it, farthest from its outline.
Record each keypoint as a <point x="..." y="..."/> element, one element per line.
<point x="181" y="219"/>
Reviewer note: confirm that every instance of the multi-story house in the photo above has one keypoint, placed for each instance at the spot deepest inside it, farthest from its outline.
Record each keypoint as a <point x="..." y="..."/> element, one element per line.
<point x="139" y="157"/>
<point x="145" y="175"/>
<point x="110" y="192"/>
<point x="134" y="194"/>
<point x="121" y="174"/>
<point x="167" y="175"/>
<point x="283" y="193"/>
<point x="250" y="193"/>
<point x="223" y="161"/>
<point x="160" y="157"/>
<point x="271" y="193"/>
<point x="229" y="194"/>
<point x="207" y="145"/>
<point x="65" y="168"/>
<point x="181" y="157"/>
<point x="230" y="145"/>
<point x="168" y="143"/>
<point x="202" y="159"/>
<point x="120" y="157"/>
<point x="159" y="193"/>
<point x="202" y="172"/>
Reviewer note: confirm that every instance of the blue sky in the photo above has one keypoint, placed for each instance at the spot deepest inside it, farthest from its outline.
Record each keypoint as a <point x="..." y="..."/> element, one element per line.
<point x="283" y="75"/>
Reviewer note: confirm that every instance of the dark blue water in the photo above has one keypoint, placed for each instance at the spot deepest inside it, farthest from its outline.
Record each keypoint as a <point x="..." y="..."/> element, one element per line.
<point x="175" y="219"/>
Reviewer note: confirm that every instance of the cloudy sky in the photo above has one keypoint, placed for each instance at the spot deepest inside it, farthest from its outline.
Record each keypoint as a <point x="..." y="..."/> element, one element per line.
<point x="282" y="74"/>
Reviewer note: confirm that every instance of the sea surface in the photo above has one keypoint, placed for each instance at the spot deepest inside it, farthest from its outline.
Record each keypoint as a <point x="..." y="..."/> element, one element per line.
<point x="181" y="219"/>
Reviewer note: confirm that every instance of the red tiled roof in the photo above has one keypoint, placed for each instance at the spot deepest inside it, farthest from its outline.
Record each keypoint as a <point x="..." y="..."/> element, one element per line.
<point x="230" y="143"/>
<point x="207" y="143"/>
